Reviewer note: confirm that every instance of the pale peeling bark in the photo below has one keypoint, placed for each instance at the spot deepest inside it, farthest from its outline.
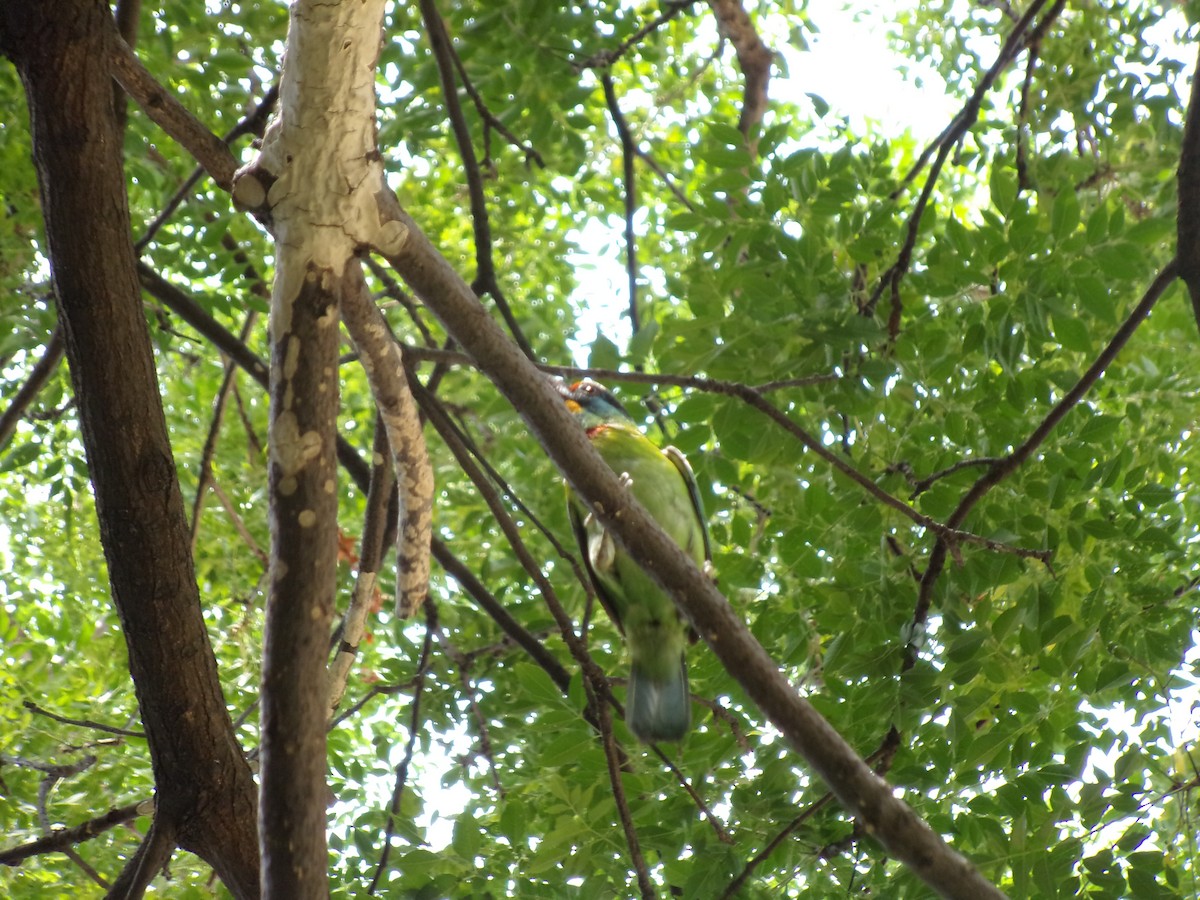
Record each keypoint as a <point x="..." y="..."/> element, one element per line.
<point x="380" y="356"/>
<point x="314" y="182"/>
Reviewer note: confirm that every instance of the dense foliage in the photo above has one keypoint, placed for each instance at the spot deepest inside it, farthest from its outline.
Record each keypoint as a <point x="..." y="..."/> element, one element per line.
<point x="1041" y="715"/>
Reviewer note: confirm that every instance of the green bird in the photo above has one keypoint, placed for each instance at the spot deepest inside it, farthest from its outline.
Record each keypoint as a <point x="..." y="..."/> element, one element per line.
<point x="657" y="706"/>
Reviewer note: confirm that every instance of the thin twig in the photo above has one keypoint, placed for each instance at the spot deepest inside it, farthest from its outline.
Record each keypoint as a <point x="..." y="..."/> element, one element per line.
<point x="921" y="486"/>
<point x="81" y="723"/>
<point x="204" y="477"/>
<point x="414" y="727"/>
<point x="59" y="839"/>
<point x="485" y="269"/>
<point x="943" y="145"/>
<point x="1005" y="466"/>
<point x="628" y="152"/>
<point x="490" y="121"/>
<point x="42" y="370"/>
<point x="735" y="887"/>
<point x="394" y="291"/>
<point x="240" y="525"/>
<point x="718" y="826"/>
<point x="667" y="179"/>
<point x="1024" y="182"/>
<point x="602" y="59"/>
<point x="613" y="760"/>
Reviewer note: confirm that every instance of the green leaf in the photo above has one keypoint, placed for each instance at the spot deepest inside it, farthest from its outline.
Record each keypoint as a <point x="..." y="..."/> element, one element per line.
<point x="22" y="455"/>
<point x="1065" y="215"/>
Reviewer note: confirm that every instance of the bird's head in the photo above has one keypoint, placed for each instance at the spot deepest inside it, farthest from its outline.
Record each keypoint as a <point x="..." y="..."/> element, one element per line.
<point x="592" y="403"/>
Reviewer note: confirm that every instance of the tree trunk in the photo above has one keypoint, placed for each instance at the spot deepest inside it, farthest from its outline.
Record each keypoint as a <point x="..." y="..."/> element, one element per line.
<point x="205" y="792"/>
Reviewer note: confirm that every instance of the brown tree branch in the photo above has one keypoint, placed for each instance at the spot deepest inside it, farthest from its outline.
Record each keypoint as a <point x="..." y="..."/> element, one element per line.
<point x="381" y="361"/>
<point x="370" y="559"/>
<point x="628" y="153"/>
<point x="754" y="58"/>
<point x="863" y="793"/>
<point x="62" y="838"/>
<point x="40" y="374"/>
<point x="253" y="123"/>
<point x="485" y="269"/>
<point x="1188" y="218"/>
<point x="62" y="52"/>
<point x="1006" y="465"/>
<point x="170" y="115"/>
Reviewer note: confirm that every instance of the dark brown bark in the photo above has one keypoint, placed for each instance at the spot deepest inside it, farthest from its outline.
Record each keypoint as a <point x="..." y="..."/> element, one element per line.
<point x="1188" y="224"/>
<point x="304" y="396"/>
<point x="205" y="793"/>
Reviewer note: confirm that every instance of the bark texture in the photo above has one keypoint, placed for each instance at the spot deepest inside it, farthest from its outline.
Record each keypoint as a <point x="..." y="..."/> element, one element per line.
<point x="205" y="795"/>
<point x="304" y="395"/>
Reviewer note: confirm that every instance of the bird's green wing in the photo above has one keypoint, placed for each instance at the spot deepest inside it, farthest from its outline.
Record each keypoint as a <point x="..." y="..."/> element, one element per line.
<point x="578" y="514"/>
<point x="689" y="478"/>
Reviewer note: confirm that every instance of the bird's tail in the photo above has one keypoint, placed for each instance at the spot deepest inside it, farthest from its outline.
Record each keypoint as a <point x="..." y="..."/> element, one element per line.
<point x="658" y="706"/>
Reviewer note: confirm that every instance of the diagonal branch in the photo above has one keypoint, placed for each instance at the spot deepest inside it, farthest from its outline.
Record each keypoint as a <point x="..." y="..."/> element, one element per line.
<point x="485" y="600"/>
<point x="59" y="840"/>
<point x="613" y="759"/>
<point x="205" y="476"/>
<point x="944" y="143"/>
<point x="1006" y="465"/>
<point x="602" y="59"/>
<point x="81" y="723"/>
<point x="491" y="121"/>
<point x="33" y="385"/>
<point x="485" y="269"/>
<point x="902" y="833"/>
<point x="170" y="115"/>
